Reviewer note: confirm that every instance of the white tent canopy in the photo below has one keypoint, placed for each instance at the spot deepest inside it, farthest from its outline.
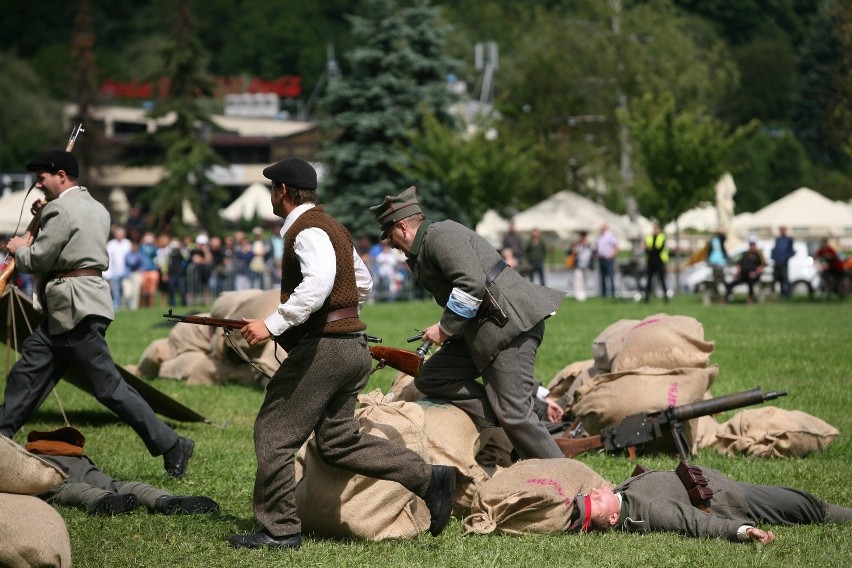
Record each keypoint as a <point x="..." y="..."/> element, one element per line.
<point x="566" y="212"/>
<point x="804" y="212"/>
<point x="254" y="201"/>
<point x="492" y="227"/>
<point x="703" y="219"/>
<point x="12" y="206"/>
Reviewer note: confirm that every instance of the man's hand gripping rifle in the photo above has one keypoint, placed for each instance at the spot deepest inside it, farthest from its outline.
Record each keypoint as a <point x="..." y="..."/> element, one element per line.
<point x="409" y="362"/>
<point x="639" y="429"/>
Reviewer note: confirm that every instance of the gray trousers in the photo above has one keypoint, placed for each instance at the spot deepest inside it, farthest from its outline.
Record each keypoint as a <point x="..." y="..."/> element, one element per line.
<point x="86" y="484"/>
<point x="45" y="358"/>
<point x="785" y="506"/>
<point x="315" y="390"/>
<point x="505" y="397"/>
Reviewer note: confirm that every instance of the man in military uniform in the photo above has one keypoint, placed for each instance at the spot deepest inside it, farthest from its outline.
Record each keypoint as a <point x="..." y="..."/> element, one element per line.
<point x="491" y="326"/>
<point x="69" y="256"/>
<point x="323" y="281"/>
<point x="660" y="501"/>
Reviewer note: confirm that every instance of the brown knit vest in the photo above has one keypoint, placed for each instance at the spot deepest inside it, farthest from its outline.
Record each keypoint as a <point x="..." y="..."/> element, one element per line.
<point x="344" y="293"/>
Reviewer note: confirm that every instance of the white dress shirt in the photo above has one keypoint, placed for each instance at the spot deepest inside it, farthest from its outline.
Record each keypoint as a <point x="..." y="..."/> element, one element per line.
<point x="316" y="257"/>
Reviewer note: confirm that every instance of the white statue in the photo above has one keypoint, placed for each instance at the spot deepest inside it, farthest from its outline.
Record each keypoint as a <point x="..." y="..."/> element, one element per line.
<point x="725" y="191"/>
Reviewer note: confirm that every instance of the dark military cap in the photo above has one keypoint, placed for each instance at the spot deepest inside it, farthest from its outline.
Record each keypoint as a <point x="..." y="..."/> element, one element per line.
<point x="292" y="172"/>
<point x="54" y="161"/>
<point x="394" y="209"/>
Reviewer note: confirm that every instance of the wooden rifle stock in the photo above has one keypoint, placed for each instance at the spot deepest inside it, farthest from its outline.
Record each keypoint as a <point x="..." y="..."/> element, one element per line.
<point x="32" y="229"/>
<point x="574" y="446"/>
<point x="408" y="362"/>
<point x="203" y="320"/>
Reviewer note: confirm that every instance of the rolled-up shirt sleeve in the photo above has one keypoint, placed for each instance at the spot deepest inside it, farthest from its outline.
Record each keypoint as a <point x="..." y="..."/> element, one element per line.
<point x="363" y="278"/>
<point x="316" y="258"/>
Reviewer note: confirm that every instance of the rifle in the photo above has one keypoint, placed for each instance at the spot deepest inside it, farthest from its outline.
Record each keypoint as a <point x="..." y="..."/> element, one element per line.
<point x="644" y="427"/>
<point x="7" y="267"/>
<point x="409" y="362"/>
<point x="224" y="323"/>
<point x="203" y="320"/>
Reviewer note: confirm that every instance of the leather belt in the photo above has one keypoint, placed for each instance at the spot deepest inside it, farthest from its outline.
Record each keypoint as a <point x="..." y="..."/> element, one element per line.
<point x="75" y="273"/>
<point x="495" y="272"/>
<point x="342" y="313"/>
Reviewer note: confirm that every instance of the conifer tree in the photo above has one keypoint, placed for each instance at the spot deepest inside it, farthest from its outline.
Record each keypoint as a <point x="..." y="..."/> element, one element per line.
<point x="395" y="72"/>
<point x="188" y="154"/>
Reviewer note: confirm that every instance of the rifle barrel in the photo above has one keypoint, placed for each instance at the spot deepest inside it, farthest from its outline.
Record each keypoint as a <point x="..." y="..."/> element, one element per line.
<point x="723" y="403"/>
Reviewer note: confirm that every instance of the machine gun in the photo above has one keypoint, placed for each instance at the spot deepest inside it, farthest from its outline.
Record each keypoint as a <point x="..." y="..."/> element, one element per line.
<point x="644" y="427"/>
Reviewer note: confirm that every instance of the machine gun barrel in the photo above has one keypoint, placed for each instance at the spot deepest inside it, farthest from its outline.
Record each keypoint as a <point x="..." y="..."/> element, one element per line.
<point x="722" y="404"/>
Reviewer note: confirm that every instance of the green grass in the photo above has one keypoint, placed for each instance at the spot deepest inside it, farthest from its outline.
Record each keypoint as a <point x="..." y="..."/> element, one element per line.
<point x="802" y="347"/>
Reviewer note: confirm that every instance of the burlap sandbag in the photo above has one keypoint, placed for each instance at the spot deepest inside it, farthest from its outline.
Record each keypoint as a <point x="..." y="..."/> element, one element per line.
<point x="402" y="388"/>
<point x="564" y="379"/>
<point x="186" y="337"/>
<point x="252" y="304"/>
<point x="194" y="367"/>
<point x="608" y="399"/>
<point x="607" y="344"/>
<point x="336" y="503"/>
<point x="454" y="439"/>
<point x="663" y="341"/>
<point x="772" y="432"/>
<point x="704" y="429"/>
<point x="32" y="533"/>
<point x="157" y="351"/>
<point x="23" y="473"/>
<point x="532" y="496"/>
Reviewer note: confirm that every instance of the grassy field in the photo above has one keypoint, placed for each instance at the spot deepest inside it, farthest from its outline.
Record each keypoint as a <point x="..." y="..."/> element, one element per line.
<point x="800" y="346"/>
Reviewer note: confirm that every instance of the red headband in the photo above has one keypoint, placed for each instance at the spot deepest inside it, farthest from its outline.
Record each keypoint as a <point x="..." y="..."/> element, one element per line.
<point x="587" y="501"/>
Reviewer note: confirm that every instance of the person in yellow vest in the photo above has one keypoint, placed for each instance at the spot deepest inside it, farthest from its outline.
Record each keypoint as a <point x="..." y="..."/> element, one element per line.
<point x="656" y="259"/>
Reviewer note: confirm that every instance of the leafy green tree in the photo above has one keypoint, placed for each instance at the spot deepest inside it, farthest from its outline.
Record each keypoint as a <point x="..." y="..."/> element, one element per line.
<point x="767" y="165"/>
<point x="188" y="151"/>
<point x="476" y="169"/>
<point x="683" y="153"/>
<point x="396" y="70"/>
<point x="822" y="63"/>
<point x="563" y="83"/>
<point x="24" y="95"/>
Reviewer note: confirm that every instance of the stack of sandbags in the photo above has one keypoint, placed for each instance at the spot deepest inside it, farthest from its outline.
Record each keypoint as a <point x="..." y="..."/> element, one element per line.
<point x="32" y="533"/>
<point x="645" y="366"/>
<point x="335" y="503"/>
<point x="495" y="449"/>
<point x="204" y="355"/>
<point x="531" y="496"/>
<point x="771" y="432"/>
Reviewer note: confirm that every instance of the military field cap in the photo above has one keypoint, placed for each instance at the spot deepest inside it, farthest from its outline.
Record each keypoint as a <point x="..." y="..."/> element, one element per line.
<point x="394" y="209"/>
<point x="292" y="172"/>
<point x="66" y="434"/>
<point x="581" y="514"/>
<point x="53" y="161"/>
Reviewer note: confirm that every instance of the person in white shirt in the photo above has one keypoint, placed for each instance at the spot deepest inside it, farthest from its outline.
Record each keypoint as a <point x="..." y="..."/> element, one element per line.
<point x="323" y="283"/>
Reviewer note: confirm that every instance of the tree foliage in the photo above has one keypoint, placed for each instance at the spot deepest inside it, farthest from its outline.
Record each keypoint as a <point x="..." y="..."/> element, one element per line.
<point x="474" y="168"/>
<point x="30" y="118"/>
<point x="396" y="71"/>
<point x="188" y="151"/>
<point x="683" y="153"/>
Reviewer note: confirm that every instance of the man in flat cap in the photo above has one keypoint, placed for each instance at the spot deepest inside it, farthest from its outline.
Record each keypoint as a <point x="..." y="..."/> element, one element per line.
<point x="68" y="256"/>
<point x="661" y="501"/>
<point x="323" y="284"/>
<point x="491" y="326"/>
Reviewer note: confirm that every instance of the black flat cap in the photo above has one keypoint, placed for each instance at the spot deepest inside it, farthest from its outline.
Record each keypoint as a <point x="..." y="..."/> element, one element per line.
<point x="292" y="172"/>
<point x="54" y="161"/>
